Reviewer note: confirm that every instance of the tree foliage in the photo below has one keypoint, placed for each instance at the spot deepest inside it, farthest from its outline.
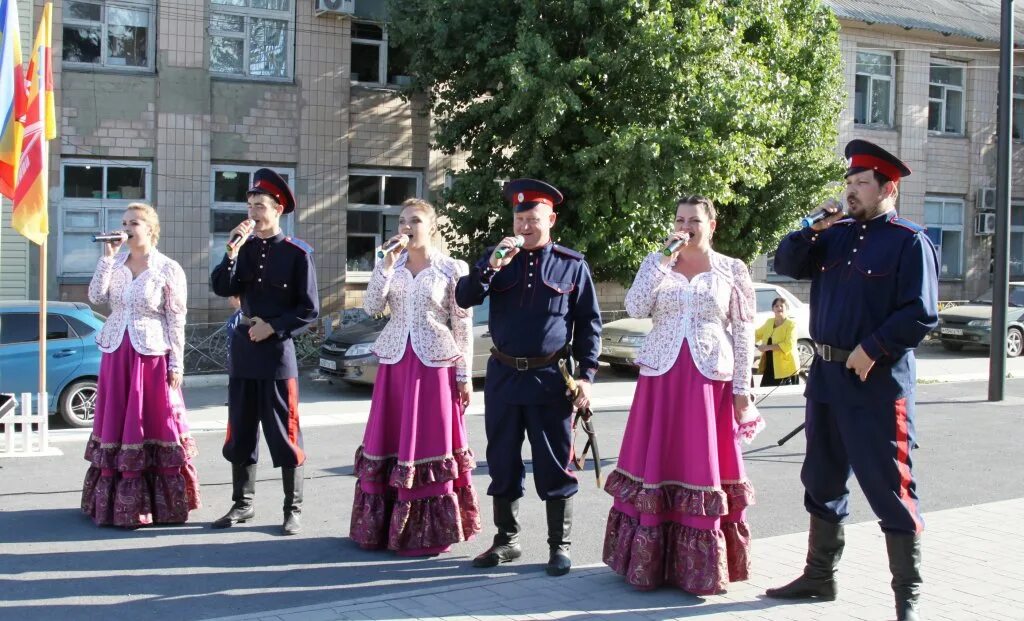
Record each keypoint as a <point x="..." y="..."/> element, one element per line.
<point x="625" y="105"/>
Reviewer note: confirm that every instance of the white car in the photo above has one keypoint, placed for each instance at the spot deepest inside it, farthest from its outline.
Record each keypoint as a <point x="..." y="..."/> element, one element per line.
<point x="621" y="340"/>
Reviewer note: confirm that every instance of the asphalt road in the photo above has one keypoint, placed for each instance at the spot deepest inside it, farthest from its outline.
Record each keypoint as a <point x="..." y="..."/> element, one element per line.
<point x="55" y="564"/>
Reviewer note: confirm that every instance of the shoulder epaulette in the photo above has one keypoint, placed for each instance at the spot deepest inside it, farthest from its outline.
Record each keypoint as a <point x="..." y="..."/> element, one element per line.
<point x="913" y="227"/>
<point x="569" y="252"/>
<point x="301" y="245"/>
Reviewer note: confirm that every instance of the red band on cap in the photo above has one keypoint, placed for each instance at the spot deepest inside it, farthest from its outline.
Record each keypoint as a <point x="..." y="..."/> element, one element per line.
<point x="874" y="163"/>
<point x="269" y="188"/>
<point x="533" y="197"/>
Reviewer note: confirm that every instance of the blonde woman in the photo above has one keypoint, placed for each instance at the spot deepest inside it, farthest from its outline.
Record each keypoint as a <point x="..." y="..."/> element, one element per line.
<point x="776" y="340"/>
<point x="140" y="450"/>
<point x="415" y="494"/>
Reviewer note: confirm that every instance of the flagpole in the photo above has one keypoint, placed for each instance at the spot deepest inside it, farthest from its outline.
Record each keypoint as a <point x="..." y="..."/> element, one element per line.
<point x="44" y="403"/>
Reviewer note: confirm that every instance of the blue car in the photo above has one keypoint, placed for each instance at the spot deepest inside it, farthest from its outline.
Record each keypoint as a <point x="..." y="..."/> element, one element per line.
<point x="73" y="359"/>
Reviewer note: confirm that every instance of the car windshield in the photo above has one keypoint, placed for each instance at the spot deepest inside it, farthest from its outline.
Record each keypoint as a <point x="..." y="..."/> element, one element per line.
<point x="1015" y="299"/>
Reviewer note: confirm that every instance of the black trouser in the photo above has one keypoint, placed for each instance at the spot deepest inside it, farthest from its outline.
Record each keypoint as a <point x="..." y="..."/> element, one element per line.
<point x="275" y="405"/>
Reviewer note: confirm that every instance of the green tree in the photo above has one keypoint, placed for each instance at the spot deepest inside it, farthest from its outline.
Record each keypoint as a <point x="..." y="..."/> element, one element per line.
<point x="626" y="104"/>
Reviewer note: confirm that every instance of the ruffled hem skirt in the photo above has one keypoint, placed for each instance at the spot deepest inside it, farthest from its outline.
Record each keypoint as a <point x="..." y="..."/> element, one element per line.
<point x="680" y="490"/>
<point x="414" y="493"/>
<point x="140" y="453"/>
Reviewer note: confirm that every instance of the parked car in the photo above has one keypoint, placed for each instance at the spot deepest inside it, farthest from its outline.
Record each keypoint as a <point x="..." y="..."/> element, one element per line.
<point x="971" y="323"/>
<point x="621" y="340"/>
<point x="73" y="359"/>
<point x="347" y="353"/>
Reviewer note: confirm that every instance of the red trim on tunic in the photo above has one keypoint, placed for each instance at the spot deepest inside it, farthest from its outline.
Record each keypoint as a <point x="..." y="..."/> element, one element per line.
<point x="293" y="420"/>
<point x="903" y="462"/>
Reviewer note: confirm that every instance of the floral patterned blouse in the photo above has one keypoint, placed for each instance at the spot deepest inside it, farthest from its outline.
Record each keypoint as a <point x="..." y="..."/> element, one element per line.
<point x="151" y="307"/>
<point x="423" y="310"/>
<point x="714" y="312"/>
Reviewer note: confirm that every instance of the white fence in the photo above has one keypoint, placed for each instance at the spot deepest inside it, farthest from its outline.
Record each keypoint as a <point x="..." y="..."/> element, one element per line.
<point x="22" y="433"/>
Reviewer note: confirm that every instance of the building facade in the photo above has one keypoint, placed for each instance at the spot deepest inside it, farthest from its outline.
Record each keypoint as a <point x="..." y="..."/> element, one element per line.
<point x="177" y="103"/>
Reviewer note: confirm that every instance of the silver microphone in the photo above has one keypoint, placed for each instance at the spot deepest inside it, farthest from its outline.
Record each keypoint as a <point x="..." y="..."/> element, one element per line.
<point x="517" y="242"/>
<point x="676" y="244"/>
<point x="237" y="237"/>
<point x="398" y="242"/>
<point x="821" y="214"/>
<point x="110" y="238"/>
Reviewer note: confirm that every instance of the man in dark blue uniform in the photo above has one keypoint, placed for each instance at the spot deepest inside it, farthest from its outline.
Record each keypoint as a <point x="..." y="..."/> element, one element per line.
<point x="275" y="278"/>
<point x="543" y="309"/>
<point x="874" y="296"/>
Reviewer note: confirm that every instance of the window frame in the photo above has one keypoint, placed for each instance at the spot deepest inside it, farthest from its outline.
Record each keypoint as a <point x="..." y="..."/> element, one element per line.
<point x="102" y="206"/>
<point x="961" y="204"/>
<point x="962" y="89"/>
<point x="103" y="65"/>
<point x="246" y="13"/>
<point x="1016" y="230"/>
<point x="287" y="221"/>
<point x="382" y="209"/>
<point x="872" y="77"/>
<point x="382" y="59"/>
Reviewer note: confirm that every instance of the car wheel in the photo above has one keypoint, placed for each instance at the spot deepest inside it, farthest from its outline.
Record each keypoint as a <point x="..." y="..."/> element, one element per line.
<point x="805" y="348"/>
<point x="77" y="405"/>
<point x="1014" y="342"/>
<point x="948" y="346"/>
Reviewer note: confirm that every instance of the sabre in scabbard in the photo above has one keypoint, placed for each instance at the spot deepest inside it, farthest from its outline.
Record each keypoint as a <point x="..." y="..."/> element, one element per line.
<point x="583" y="420"/>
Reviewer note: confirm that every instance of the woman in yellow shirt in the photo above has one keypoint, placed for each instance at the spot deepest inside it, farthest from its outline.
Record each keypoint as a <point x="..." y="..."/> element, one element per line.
<point x="776" y="340"/>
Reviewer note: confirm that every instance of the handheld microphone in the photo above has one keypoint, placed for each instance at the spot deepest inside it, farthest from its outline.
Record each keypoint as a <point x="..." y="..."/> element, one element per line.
<point x="676" y="244"/>
<point x="237" y="237"/>
<point x="110" y="238"/>
<point x="501" y="251"/>
<point x="821" y="214"/>
<point x="399" y="242"/>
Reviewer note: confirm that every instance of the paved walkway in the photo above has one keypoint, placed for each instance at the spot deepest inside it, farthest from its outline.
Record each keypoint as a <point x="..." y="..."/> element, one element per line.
<point x="972" y="570"/>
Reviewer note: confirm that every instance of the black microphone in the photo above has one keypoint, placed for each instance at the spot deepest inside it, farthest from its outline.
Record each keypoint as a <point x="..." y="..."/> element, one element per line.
<point x="398" y="242"/>
<point x="676" y="244"/>
<point x="237" y="237"/>
<point x="821" y="214"/>
<point x="109" y="238"/>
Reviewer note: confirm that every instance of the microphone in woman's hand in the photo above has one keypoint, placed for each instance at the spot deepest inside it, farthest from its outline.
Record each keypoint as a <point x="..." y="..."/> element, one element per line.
<point x="398" y="242"/>
<point x="501" y="251"/>
<point x="676" y="244"/>
<point x="111" y="238"/>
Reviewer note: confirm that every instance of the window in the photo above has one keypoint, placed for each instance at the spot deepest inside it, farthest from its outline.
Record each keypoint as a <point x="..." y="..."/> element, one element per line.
<point x="873" y="93"/>
<point x="944" y="219"/>
<point x="946" y="99"/>
<point x="252" y="38"/>
<point x="1016" y="241"/>
<point x="95" y="194"/>
<point x="373" y="61"/>
<point x="24" y="328"/>
<point x="374" y="204"/>
<point x="230" y="204"/>
<point x="1018" y="107"/>
<point x="112" y="35"/>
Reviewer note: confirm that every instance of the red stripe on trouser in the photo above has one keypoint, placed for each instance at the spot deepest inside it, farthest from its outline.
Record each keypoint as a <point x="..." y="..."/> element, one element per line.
<point x="903" y="461"/>
<point x="293" y="420"/>
<point x="227" y="434"/>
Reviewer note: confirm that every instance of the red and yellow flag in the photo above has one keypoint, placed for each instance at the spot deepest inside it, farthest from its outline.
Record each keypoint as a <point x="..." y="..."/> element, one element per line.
<point x="12" y="96"/>
<point x="30" y="216"/>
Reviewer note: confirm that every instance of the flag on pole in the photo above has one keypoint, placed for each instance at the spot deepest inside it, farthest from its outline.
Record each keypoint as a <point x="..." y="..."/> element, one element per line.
<point x="12" y="97"/>
<point x="30" y="216"/>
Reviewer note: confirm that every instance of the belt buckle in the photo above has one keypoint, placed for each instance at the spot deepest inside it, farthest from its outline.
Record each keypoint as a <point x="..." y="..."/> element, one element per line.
<point x="826" y="353"/>
<point x="522" y="364"/>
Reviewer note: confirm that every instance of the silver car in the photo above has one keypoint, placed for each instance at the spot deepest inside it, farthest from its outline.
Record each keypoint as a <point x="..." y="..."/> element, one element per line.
<point x="621" y="340"/>
<point x="347" y="353"/>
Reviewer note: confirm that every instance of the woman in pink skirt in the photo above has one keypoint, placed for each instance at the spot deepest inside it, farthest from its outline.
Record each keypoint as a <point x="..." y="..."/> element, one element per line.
<point x="140" y="451"/>
<point x="415" y="493"/>
<point x="680" y="489"/>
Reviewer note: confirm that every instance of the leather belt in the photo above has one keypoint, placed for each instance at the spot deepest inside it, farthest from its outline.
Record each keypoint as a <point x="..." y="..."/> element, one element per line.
<point x="525" y="364"/>
<point x="832" y="354"/>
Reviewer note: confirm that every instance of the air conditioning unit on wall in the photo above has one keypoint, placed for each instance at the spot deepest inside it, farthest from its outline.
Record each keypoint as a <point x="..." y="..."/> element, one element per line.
<point x="334" y="7"/>
<point x="986" y="199"/>
<point x="984" y="224"/>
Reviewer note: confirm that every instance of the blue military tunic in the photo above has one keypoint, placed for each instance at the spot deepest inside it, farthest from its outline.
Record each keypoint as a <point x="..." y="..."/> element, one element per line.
<point x="874" y="284"/>
<point x="542" y="302"/>
<point x="276" y="282"/>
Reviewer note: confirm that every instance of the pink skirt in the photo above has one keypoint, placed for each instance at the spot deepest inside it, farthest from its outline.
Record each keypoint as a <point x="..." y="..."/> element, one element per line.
<point x="415" y="493"/>
<point x="140" y="450"/>
<point x="680" y="489"/>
